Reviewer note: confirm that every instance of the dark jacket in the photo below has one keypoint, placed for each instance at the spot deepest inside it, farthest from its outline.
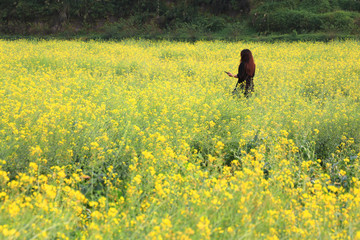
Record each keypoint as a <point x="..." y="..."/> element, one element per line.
<point x="245" y="81"/>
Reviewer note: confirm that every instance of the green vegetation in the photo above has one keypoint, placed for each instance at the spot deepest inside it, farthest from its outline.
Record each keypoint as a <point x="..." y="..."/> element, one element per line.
<point x="182" y="20"/>
<point x="141" y="139"/>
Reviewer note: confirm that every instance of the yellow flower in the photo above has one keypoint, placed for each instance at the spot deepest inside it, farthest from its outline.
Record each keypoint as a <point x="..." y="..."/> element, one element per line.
<point x="230" y="230"/>
<point x="166" y="224"/>
<point x="357" y="236"/>
<point x="96" y="215"/>
<point x="204" y="227"/>
<point x="36" y="151"/>
<point x="137" y="179"/>
<point x="13" y="209"/>
<point x="147" y="155"/>
<point x="33" y="167"/>
<point x="161" y="138"/>
<point x="219" y="145"/>
<point x="112" y="212"/>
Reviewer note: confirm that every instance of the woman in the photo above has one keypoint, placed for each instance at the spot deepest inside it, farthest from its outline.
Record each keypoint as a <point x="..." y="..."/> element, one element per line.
<point x="246" y="72"/>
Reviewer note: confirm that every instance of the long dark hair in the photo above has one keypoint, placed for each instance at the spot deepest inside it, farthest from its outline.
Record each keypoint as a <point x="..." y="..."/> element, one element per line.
<point x="247" y="58"/>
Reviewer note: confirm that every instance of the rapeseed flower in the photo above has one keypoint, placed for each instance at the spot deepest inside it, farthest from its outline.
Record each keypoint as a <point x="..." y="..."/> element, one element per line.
<point x="142" y="139"/>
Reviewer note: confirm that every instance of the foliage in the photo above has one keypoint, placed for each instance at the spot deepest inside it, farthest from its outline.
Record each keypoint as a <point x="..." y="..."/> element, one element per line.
<point x="284" y="20"/>
<point x="317" y="6"/>
<point x="290" y="20"/>
<point x="341" y="21"/>
<point x="349" y="5"/>
<point x="190" y="19"/>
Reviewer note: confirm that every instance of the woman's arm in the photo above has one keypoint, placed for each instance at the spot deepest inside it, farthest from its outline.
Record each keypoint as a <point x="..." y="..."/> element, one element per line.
<point x="232" y="75"/>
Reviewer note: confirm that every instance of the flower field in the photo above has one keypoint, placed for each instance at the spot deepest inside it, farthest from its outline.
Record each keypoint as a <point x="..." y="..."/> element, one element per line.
<point x="144" y="140"/>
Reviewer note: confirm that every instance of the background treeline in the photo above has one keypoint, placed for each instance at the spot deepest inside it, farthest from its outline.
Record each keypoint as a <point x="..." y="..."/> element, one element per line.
<point x="229" y="19"/>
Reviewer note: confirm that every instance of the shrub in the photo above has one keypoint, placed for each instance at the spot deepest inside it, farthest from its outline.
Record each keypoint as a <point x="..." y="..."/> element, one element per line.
<point x="304" y="21"/>
<point x="317" y="6"/>
<point x="349" y="5"/>
<point x="290" y="20"/>
<point x="339" y="21"/>
<point x="208" y="24"/>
